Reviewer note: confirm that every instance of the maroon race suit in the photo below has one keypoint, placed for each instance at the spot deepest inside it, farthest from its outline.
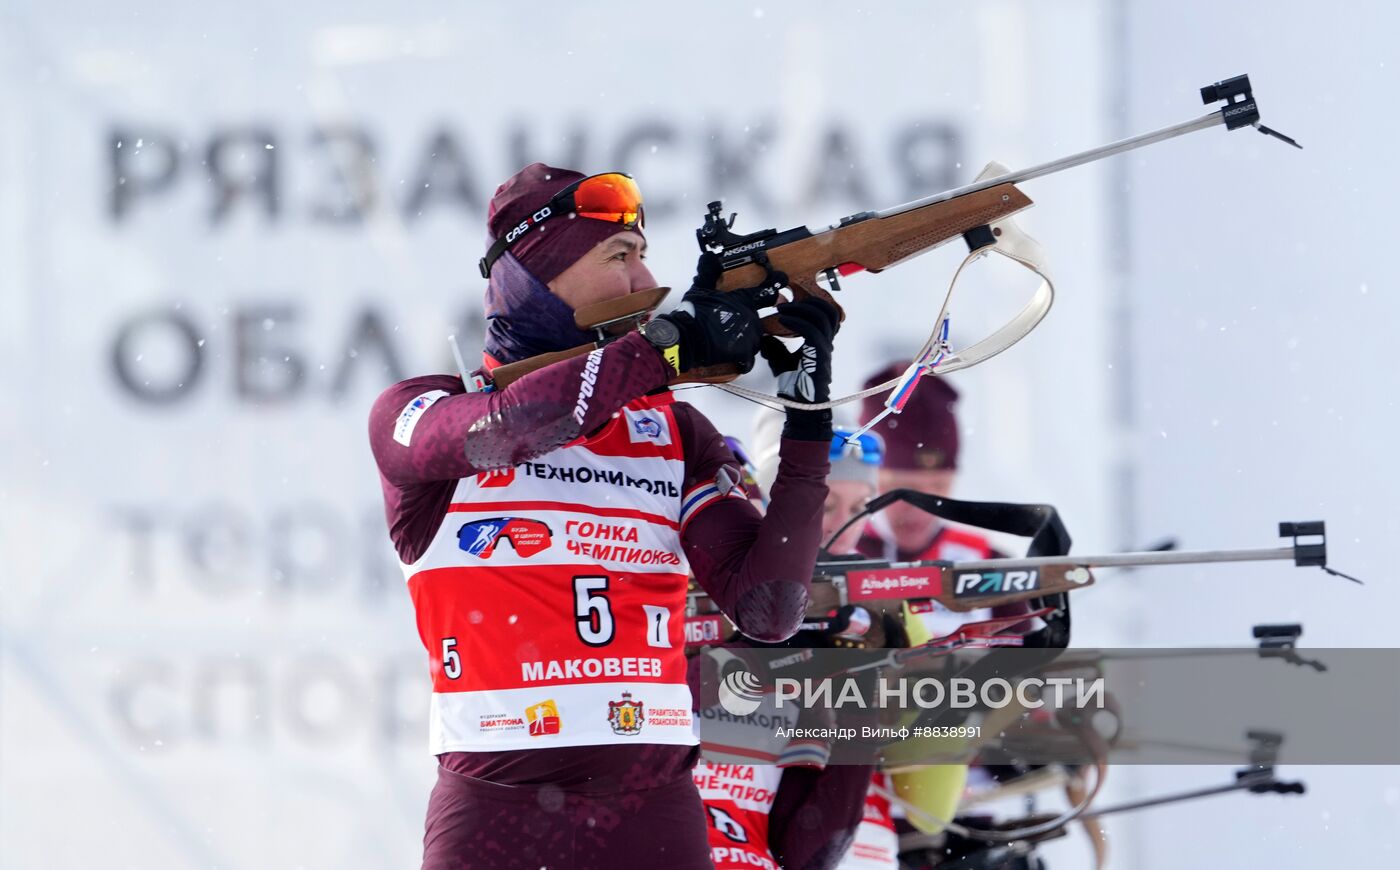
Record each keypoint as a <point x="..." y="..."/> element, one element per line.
<point x="623" y="800"/>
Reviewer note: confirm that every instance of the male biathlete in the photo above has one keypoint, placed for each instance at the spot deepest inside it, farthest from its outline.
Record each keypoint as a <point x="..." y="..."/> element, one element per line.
<point x="546" y="532"/>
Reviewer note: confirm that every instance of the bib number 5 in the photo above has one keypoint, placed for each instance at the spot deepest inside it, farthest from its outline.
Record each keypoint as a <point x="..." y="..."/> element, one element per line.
<point x="451" y="659"/>
<point x="593" y="616"/>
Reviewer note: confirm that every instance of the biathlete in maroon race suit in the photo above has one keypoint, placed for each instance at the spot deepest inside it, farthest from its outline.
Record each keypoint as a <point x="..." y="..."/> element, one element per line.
<point x="546" y="533"/>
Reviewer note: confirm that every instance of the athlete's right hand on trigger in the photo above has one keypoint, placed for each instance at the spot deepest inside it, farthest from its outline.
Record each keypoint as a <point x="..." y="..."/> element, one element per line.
<point x="719" y="328"/>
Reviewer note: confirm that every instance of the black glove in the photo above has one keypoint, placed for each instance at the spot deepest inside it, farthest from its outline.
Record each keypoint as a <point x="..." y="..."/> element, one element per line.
<point x="718" y="328"/>
<point x="804" y="375"/>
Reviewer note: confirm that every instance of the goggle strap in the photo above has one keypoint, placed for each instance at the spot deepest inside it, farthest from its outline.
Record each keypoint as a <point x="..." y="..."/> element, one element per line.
<point x="493" y="254"/>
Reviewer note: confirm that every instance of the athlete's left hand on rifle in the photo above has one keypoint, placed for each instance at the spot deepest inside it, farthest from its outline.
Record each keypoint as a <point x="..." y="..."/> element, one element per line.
<point x="804" y="373"/>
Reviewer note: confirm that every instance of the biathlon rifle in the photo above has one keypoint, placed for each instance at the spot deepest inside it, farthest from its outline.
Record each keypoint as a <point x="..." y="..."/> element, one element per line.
<point x="983" y="848"/>
<point x="1044" y="578"/>
<point x="1258" y="777"/>
<point x="813" y="261"/>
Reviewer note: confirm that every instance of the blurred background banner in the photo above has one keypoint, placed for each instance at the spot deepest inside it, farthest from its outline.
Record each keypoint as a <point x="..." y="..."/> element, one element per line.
<point x="223" y="230"/>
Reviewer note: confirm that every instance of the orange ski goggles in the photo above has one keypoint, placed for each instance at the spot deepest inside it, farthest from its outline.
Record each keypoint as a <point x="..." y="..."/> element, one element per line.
<point x="612" y="197"/>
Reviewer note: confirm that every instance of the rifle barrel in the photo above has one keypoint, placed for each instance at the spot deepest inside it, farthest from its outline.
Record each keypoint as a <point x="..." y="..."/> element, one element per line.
<point x="1106" y="560"/>
<point x="1073" y="160"/>
<point x="1129" y="560"/>
<point x="1243" y="784"/>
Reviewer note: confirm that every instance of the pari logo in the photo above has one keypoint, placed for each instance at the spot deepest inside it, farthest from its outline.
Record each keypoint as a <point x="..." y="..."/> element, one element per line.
<point x="626" y="716"/>
<point x="740" y="692"/>
<point x="971" y="584"/>
<point x="543" y="718"/>
<point x="527" y="537"/>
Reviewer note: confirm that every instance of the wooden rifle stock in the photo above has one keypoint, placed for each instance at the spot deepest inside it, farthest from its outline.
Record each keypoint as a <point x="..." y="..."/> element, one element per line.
<point x="872" y="243"/>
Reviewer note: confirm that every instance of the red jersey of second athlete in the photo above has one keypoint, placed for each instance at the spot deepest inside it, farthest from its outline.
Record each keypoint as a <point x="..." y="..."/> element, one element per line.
<point x="950" y="543"/>
<point x="555" y="618"/>
<point x="738" y="799"/>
